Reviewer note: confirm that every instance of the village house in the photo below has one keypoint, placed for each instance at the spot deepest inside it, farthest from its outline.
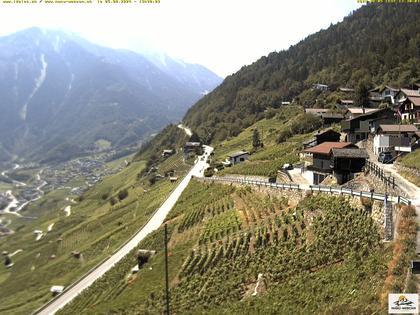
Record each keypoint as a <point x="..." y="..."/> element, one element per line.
<point x="346" y="90"/>
<point x="403" y="94"/>
<point x="192" y="147"/>
<point x="167" y="153"/>
<point x="317" y="111"/>
<point x="332" y="118"/>
<point x="388" y="93"/>
<point x="328" y="117"/>
<point x="321" y="87"/>
<point x="346" y="102"/>
<point x="353" y="112"/>
<point x="238" y="157"/>
<point x="328" y="135"/>
<point x="395" y="139"/>
<point x="408" y="105"/>
<point x="361" y="127"/>
<point x="340" y="159"/>
<point x="375" y="98"/>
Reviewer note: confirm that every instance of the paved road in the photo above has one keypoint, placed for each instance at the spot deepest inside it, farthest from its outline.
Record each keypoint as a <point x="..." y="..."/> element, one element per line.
<point x="411" y="189"/>
<point x="186" y="129"/>
<point x="154" y="223"/>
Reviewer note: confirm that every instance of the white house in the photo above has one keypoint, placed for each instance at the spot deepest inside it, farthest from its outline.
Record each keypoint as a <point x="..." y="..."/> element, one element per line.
<point x="394" y="138"/>
<point x="238" y="157"/>
<point x="319" y="86"/>
<point x="388" y="93"/>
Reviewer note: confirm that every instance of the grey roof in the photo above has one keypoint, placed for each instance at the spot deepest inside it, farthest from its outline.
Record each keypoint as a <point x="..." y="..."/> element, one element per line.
<point x="350" y="153"/>
<point x="319" y="133"/>
<point x="234" y="155"/>
<point x="333" y="115"/>
<point x="346" y="89"/>
<point x="317" y="110"/>
<point x="192" y="144"/>
<point x="398" y="128"/>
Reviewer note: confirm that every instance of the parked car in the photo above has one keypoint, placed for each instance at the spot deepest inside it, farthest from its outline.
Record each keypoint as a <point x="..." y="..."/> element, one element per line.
<point x="385" y="157"/>
<point x="272" y="179"/>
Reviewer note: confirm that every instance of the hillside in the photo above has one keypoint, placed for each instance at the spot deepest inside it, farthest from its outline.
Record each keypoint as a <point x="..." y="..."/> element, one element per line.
<point x="62" y="95"/>
<point x="317" y="254"/>
<point x="378" y="44"/>
<point x="78" y="232"/>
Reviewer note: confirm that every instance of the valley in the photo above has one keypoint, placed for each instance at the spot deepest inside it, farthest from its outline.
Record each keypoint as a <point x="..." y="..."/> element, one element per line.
<point x="137" y="183"/>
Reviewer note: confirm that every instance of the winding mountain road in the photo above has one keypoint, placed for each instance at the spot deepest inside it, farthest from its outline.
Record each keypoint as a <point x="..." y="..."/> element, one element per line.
<point x="154" y="223"/>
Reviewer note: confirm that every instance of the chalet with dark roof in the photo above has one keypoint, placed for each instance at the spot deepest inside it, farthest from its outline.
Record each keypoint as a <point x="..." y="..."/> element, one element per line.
<point x="191" y="148"/>
<point x="388" y="93"/>
<point x="364" y="125"/>
<point x="328" y="117"/>
<point x="328" y="135"/>
<point x="340" y="159"/>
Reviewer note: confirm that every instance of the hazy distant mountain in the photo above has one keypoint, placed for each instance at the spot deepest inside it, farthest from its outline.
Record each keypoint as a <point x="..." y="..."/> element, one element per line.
<point x="59" y="94"/>
<point x="194" y="76"/>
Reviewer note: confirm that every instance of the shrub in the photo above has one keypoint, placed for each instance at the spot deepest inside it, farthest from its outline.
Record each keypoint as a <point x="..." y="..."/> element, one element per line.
<point x="122" y="194"/>
<point x="112" y="201"/>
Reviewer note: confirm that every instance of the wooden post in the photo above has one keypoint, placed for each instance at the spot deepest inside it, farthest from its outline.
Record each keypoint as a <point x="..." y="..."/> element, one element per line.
<point x="166" y="270"/>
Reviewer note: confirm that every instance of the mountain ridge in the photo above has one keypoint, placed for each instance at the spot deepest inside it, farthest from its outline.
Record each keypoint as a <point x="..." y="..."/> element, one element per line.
<point x="65" y="89"/>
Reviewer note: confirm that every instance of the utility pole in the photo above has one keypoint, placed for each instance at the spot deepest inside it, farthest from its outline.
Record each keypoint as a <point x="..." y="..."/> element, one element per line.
<point x="166" y="270"/>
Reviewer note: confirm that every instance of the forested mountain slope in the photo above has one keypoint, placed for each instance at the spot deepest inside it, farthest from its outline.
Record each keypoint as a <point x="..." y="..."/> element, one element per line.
<point x="377" y="44"/>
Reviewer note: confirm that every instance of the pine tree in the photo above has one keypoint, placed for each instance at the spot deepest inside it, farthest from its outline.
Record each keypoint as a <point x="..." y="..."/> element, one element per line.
<point x="256" y="141"/>
<point x="362" y="95"/>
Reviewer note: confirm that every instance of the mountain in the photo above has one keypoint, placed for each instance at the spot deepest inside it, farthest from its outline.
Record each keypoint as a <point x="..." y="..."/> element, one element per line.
<point x="194" y="76"/>
<point x="60" y="94"/>
<point x="377" y="44"/>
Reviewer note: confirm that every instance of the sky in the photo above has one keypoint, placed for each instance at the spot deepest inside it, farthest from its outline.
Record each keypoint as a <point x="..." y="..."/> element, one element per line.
<point x="222" y="35"/>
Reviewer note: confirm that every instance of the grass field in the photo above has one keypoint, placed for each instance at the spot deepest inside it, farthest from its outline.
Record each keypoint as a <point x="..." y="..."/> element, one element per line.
<point x="320" y="256"/>
<point x="95" y="228"/>
<point x="268" y="160"/>
<point x="411" y="160"/>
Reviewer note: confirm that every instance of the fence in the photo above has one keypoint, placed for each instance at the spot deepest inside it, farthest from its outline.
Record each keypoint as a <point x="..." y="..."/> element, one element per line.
<point x="317" y="188"/>
<point x="380" y="173"/>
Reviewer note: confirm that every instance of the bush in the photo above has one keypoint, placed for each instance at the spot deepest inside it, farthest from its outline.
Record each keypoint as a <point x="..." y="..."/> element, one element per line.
<point x="122" y="194"/>
<point x="152" y="179"/>
<point x="112" y="201"/>
<point x="208" y="172"/>
<point x="105" y="196"/>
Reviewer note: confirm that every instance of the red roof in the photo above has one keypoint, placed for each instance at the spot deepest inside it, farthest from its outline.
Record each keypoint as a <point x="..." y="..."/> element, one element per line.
<point x="414" y="100"/>
<point x="326" y="147"/>
<point x="412" y="93"/>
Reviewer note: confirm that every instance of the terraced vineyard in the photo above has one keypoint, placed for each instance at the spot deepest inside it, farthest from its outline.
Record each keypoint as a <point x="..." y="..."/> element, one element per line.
<point x="222" y="237"/>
